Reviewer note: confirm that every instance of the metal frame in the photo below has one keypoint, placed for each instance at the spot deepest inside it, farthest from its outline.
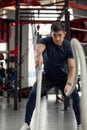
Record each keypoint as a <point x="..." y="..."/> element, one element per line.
<point x="23" y="12"/>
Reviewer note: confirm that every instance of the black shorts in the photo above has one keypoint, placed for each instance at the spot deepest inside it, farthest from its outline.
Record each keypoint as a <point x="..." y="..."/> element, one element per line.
<point x="49" y="82"/>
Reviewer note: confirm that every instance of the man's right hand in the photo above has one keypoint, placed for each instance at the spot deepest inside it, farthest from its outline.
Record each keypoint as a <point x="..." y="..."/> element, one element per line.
<point x="38" y="60"/>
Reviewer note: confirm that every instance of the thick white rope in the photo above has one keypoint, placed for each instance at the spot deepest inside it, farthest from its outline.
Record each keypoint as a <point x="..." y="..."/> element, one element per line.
<point x="78" y="49"/>
<point x="38" y="97"/>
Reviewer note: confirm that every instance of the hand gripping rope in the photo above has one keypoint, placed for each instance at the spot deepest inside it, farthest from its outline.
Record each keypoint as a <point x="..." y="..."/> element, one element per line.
<point x="79" y="53"/>
<point x="75" y="53"/>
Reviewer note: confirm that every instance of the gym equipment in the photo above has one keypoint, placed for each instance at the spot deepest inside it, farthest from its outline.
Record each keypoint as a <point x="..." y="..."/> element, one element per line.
<point x="38" y="96"/>
<point x="78" y="50"/>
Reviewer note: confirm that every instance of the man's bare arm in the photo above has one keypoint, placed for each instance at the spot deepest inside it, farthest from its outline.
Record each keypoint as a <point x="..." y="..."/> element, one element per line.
<point x="38" y="53"/>
<point x="71" y="74"/>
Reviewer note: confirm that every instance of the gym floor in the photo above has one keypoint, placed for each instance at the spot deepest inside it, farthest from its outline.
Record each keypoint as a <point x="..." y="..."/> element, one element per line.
<point x="52" y="115"/>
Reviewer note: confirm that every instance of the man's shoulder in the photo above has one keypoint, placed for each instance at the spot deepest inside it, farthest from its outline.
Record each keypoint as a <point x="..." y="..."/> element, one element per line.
<point x="45" y="40"/>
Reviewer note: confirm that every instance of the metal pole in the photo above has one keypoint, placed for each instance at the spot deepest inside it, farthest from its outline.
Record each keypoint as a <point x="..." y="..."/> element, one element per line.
<point x="16" y="55"/>
<point x="7" y="63"/>
<point x="67" y="21"/>
<point x="20" y="64"/>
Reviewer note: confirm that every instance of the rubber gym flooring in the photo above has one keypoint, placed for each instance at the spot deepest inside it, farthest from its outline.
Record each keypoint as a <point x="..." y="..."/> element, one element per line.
<point x="52" y="115"/>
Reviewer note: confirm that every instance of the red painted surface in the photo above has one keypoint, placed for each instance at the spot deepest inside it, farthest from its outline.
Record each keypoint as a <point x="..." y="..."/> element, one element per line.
<point x="79" y="34"/>
<point x="15" y="51"/>
<point x="4" y="31"/>
<point x="77" y="6"/>
<point x="13" y="3"/>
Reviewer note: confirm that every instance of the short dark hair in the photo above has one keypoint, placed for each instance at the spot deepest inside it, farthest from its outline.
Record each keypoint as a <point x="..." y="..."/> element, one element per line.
<point x="57" y="26"/>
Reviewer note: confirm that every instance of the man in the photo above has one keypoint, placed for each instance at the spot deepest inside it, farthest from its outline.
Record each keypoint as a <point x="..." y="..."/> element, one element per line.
<point x="55" y="53"/>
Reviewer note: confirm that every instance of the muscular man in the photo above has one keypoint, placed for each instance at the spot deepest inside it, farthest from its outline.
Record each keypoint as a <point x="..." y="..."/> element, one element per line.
<point x="56" y="54"/>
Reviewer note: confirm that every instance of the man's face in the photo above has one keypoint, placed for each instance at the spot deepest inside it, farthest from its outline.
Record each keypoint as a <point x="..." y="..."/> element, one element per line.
<point x="58" y="37"/>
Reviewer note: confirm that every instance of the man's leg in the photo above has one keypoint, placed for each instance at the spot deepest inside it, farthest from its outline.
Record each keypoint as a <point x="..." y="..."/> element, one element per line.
<point x="31" y="104"/>
<point x="76" y="105"/>
<point x="66" y="103"/>
<point x="30" y="107"/>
